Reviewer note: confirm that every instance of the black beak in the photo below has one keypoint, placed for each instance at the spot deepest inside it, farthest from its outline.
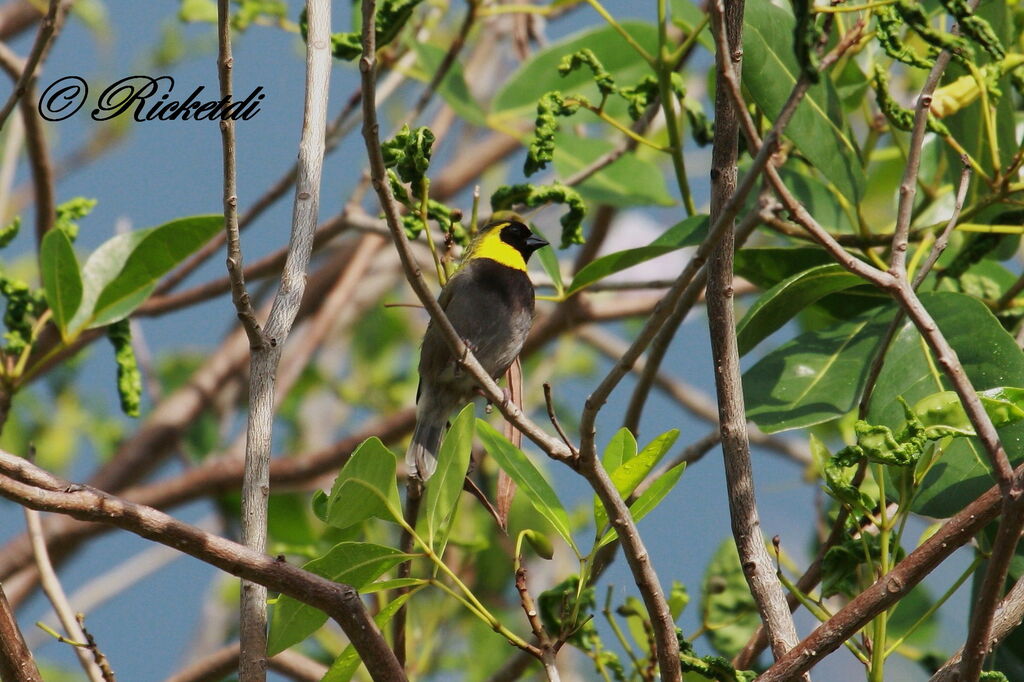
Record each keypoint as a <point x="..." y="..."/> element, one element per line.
<point x="533" y="242"/>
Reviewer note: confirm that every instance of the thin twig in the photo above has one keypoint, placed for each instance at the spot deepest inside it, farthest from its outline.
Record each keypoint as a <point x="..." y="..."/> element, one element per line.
<point x="548" y="650"/>
<point x="448" y="60"/>
<point x="40" y="490"/>
<point x="55" y="593"/>
<point x="690" y="398"/>
<point x="908" y="186"/>
<point x="47" y="27"/>
<point x="253" y="602"/>
<point x="937" y="248"/>
<point x="36" y="146"/>
<point x="98" y="656"/>
<point x="943" y="239"/>
<point x="554" y="419"/>
<point x="239" y="294"/>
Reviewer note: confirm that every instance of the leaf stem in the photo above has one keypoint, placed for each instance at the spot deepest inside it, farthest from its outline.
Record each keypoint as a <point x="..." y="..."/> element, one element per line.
<point x="663" y="67"/>
<point x="935" y="607"/>
<point x="599" y="8"/>
<point x="842" y="9"/>
<point x="473" y="603"/>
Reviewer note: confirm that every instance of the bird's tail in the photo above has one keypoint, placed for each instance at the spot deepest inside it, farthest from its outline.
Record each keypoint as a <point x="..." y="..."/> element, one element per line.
<point x="421" y="457"/>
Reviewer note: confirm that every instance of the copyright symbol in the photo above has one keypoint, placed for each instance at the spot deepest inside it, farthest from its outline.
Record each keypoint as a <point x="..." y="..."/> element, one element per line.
<point x="63" y="98"/>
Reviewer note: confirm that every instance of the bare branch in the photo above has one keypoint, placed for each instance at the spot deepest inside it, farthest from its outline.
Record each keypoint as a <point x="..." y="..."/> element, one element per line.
<point x="746" y="524"/>
<point x="908" y="186"/>
<point x="268" y="345"/>
<point x="979" y="635"/>
<point x="37" y="489"/>
<point x="16" y="662"/>
<point x="35" y="145"/>
<point x="55" y="593"/>
<point x="47" y="27"/>
<point x="940" y="245"/>
<point x="239" y="294"/>
<point x="1006" y="618"/>
<point x="691" y="399"/>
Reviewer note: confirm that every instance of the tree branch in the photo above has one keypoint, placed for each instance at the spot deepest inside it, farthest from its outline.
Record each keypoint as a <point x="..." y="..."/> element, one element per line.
<point x="55" y="593"/>
<point x="268" y="345"/>
<point x="33" y="487"/>
<point x="757" y="565"/>
<point x="35" y="146"/>
<point x="239" y="294"/>
<point x="47" y="28"/>
<point x="16" y="662"/>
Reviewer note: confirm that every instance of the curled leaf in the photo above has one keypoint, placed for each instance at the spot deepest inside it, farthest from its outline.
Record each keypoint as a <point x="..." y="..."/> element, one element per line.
<point x="129" y="379"/>
<point x="508" y="196"/>
<point x="586" y="57"/>
<point x="542" y="147"/>
<point x="408" y="153"/>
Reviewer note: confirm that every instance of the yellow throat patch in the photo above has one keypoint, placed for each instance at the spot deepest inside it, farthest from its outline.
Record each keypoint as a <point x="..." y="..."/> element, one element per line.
<point x="490" y="245"/>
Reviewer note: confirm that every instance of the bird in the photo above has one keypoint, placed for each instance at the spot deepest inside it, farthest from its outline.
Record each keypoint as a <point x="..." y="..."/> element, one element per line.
<point x="489" y="300"/>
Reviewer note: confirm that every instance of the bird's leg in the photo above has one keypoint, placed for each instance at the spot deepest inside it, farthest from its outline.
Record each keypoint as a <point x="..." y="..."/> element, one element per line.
<point x="506" y="397"/>
<point x="469" y="347"/>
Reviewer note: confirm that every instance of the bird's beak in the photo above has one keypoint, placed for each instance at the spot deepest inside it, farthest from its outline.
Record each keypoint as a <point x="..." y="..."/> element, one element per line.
<point x="533" y="242"/>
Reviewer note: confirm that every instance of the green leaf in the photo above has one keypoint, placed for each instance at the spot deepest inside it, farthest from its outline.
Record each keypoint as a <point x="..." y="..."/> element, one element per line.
<point x="520" y="469"/>
<point x="1004" y="406"/>
<point x="621" y="448"/>
<point x="62" y="279"/>
<point x="518" y="97"/>
<point x="649" y="499"/>
<point x="818" y="127"/>
<point x="365" y="487"/>
<point x="123" y="271"/>
<point x="816" y="377"/>
<point x="781" y="303"/>
<point x="445" y="486"/>
<point x="353" y="563"/>
<point x="348" y="661"/>
<point x="990" y="358"/>
<point x="453" y="86"/>
<point x="689" y="232"/>
<point x="632" y="470"/>
<point x="730" y="611"/>
<point x="629" y="181"/>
